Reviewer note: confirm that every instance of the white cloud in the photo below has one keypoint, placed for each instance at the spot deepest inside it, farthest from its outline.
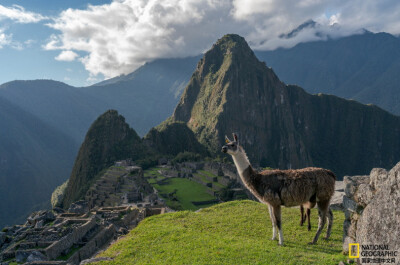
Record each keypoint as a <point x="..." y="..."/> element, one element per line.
<point x="19" y="14"/>
<point x="68" y="56"/>
<point x="29" y="42"/>
<point x="120" y="36"/>
<point x="7" y="40"/>
<point x="4" y="39"/>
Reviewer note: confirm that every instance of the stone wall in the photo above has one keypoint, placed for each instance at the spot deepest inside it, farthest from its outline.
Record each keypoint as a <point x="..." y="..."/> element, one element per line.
<point x="102" y="238"/>
<point x="55" y="249"/>
<point x="372" y="210"/>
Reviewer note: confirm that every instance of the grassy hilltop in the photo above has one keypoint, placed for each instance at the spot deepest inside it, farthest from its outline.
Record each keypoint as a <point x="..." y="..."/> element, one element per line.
<point x="236" y="232"/>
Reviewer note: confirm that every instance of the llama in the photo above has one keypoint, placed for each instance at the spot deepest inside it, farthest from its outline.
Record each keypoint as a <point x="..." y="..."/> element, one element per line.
<point x="307" y="214"/>
<point x="285" y="187"/>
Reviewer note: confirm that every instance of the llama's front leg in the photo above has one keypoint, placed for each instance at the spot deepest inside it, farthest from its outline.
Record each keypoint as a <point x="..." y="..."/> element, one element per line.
<point x="277" y="215"/>
<point x="271" y="215"/>
<point x="308" y="218"/>
<point x="322" y="213"/>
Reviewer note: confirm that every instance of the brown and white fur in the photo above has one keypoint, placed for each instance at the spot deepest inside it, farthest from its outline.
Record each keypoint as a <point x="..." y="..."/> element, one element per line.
<point x="285" y="187"/>
<point x="307" y="213"/>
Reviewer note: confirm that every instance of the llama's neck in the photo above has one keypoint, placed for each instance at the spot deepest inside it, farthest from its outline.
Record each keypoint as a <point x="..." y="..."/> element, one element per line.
<point x="246" y="172"/>
<point x="241" y="162"/>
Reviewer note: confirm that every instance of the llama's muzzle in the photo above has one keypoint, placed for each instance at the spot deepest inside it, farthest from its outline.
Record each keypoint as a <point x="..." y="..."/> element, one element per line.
<point x="224" y="149"/>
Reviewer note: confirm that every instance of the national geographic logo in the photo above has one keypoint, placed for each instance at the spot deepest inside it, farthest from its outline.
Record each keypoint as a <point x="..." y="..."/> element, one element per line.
<point x="372" y="253"/>
<point x="354" y="250"/>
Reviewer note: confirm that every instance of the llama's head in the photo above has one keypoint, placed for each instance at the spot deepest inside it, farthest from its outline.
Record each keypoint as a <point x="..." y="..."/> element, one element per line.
<point x="231" y="147"/>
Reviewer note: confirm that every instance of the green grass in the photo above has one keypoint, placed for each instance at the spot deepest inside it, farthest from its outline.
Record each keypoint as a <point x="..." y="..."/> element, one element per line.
<point x="207" y="173"/>
<point x="187" y="191"/>
<point x="202" y="177"/>
<point x="151" y="173"/>
<point x="236" y="232"/>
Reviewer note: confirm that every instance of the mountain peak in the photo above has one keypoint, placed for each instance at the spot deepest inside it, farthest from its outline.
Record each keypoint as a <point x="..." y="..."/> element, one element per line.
<point x="226" y="73"/>
<point x="230" y="41"/>
<point x="108" y="139"/>
<point x="231" y="45"/>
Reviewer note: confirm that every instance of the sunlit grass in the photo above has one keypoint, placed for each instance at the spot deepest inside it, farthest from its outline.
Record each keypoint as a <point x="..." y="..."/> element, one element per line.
<point x="236" y="232"/>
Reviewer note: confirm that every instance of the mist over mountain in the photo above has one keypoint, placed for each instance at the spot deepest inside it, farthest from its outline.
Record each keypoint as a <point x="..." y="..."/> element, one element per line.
<point x="34" y="159"/>
<point x="309" y="24"/>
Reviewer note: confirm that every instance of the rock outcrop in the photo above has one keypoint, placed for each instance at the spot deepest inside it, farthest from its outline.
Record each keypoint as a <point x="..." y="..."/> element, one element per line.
<point x="372" y="209"/>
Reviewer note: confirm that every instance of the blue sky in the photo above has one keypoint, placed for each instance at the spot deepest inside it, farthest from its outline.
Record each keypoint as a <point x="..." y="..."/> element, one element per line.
<point x="83" y="42"/>
<point x="32" y="61"/>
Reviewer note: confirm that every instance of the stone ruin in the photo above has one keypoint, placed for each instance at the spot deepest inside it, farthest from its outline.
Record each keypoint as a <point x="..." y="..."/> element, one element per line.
<point x="68" y="238"/>
<point x="372" y="213"/>
<point x="59" y="237"/>
<point x="119" y="185"/>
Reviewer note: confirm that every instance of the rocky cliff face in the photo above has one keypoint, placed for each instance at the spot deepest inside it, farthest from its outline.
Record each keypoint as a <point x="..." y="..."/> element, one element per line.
<point x="109" y="139"/>
<point x="282" y="126"/>
<point x="172" y="138"/>
<point x="372" y="210"/>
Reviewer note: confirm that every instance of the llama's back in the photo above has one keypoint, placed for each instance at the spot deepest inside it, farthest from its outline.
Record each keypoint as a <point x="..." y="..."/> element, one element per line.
<point x="299" y="185"/>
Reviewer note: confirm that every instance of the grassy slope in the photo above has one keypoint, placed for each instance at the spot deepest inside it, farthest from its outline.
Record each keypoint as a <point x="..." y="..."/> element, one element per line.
<point x="236" y="232"/>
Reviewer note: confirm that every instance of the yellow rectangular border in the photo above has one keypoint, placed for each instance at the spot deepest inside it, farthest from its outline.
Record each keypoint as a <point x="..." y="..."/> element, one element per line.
<point x="358" y="250"/>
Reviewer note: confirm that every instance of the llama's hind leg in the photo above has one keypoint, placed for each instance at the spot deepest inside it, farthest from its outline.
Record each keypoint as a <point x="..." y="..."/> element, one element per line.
<point x="330" y="222"/>
<point x="277" y="215"/>
<point x="322" y="212"/>
<point x="302" y="217"/>
<point x="310" y="206"/>
<point x="271" y="215"/>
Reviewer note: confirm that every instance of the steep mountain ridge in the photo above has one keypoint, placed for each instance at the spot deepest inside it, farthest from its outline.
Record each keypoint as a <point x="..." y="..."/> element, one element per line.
<point x="231" y="91"/>
<point x="108" y="139"/>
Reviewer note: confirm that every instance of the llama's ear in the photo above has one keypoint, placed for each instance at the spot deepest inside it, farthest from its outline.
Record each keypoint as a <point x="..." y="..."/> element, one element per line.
<point x="235" y="137"/>
<point x="227" y="139"/>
